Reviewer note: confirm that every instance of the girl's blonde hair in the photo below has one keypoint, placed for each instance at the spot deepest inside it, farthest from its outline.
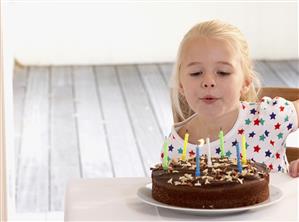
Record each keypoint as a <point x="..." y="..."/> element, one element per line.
<point x="217" y="30"/>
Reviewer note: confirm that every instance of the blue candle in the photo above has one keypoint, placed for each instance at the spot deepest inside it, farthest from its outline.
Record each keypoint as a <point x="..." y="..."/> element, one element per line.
<point x="238" y="158"/>
<point x="197" y="172"/>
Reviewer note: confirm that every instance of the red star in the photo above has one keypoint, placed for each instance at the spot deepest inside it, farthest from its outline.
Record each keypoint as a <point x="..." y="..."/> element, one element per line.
<point x="281" y="108"/>
<point x="243" y="106"/>
<point x="272" y="142"/>
<point x="256" y="148"/>
<point x="240" y="131"/>
<point x="271" y="166"/>
<point x="277" y="156"/>
<point x="256" y="122"/>
<point x="162" y="155"/>
<point x="277" y="126"/>
<point x="263" y="100"/>
<point x="191" y="153"/>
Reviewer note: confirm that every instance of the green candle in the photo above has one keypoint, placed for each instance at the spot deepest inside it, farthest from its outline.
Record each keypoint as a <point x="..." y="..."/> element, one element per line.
<point x="165" y="155"/>
<point x="221" y="139"/>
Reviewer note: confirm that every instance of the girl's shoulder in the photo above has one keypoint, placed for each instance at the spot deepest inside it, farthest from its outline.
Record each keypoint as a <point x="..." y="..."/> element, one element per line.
<point x="273" y="110"/>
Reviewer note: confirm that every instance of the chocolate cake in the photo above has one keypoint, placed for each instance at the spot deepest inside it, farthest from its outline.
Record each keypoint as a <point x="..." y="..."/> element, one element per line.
<point x="219" y="186"/>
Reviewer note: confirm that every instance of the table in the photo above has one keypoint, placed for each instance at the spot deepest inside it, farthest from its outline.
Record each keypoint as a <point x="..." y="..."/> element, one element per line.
<point x="112" y="199"/>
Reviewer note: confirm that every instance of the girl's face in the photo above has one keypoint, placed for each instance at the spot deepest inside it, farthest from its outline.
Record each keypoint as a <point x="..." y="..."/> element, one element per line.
<point x="211" y="78"/>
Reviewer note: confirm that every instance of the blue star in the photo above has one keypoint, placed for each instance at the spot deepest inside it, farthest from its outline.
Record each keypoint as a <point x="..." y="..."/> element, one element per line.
<point x="279" y="167"/>
<point x="228" y="154"/>
<point x="267" y="133"/>
<point x="234" y="143"/>
<point x="170" y="148"/>
<point x="252" y="134"/>
<point x="268" y="153"/>
<point x="253" y="111"/>
<point x="290" y="126"/>
<point x="274" y="103"/>
<point x="218" y="150"/>
<point x="180" y="150"/>
<point x="272" y="115"/>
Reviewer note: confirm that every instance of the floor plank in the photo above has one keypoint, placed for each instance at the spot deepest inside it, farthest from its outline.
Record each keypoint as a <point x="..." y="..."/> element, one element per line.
<point x="267" y="75"/>
<point x="64" y="154"/>
<point x="32" y="186"/>
<point x="283" y="70"/>
<point x="166" y="69"/>
<point x="125" y="154"/>
<point x="19" y="92"/>
<point x="94" y="153"/>
<point x="159" y="95"/>
<point x="142" y="117"/>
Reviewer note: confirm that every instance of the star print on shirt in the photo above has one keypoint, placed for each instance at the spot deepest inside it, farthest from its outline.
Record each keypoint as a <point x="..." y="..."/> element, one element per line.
<point x="279" y="168"/>
<point x="286" y="119"/>
<point x="268" y="153"/>
<point x="180" y="150"/>
<point x="256" y="148"/>
<point x="290" y="126"/>
<point x="270" y="166"/>
<point x="253" y="111"/>
<point x="272" y="115"/>
<point x="218" y="150"/>
<point x="228" y="154"/>
<point x="262" y="138"/>
<point x="170" y="148"/>
<point x="281" y="108"/>
<point x="274" y="103"/>
<point x="277" y="126"/>
<point x="256" y="122"/>
<point x="247" y="121"/>
<point x="252" y="134"/>
<point x="272" y="142"/>
<point x="234" y="143"/>
<point x="277" y="155"/>
<point x="240" y="131"/>
<point x="191" y="153"/>
<point x="280" y="135"/>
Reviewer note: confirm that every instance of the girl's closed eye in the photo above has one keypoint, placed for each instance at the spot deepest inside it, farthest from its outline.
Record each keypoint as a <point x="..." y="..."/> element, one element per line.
<point x="223" y="73"/>
<point x="196" y="73"/>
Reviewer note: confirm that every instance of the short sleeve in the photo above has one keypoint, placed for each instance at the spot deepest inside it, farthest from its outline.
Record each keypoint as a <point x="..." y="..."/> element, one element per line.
<point x="279" y="114"/>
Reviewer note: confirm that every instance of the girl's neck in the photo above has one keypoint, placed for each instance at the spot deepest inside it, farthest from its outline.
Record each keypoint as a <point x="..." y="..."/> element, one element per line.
<point x="203" y="126"/>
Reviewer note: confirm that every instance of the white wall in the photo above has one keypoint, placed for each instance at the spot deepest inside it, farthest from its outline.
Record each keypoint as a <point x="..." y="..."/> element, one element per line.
<point x="96" y="33"/>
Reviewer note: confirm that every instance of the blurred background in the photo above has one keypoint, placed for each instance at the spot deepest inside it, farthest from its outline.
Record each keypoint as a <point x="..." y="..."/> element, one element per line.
<point x="87" y="85"/>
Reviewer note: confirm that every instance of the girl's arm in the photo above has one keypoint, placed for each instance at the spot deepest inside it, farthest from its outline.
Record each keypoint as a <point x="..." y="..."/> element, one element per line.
<point x="294" y="165"/>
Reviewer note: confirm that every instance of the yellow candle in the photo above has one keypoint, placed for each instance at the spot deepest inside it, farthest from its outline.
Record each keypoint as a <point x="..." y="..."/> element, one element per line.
<point x="244" y="161"/>
<point x="185" y="145"/>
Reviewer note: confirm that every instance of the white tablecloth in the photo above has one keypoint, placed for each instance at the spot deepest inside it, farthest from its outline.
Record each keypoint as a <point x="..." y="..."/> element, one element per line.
<point x="112" y="199"/>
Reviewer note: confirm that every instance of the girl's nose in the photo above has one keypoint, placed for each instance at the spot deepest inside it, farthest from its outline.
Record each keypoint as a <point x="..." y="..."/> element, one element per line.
<point x="208" y="81"/>
<point x="207" y="85"/>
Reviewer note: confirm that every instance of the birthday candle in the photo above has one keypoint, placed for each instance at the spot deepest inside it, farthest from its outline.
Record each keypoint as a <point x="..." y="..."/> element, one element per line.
<point x="221" y="139"/>
<point x="165" y="155"/>
<point x="244" y="161"/>
<point x="197" y="172"/>
<point x="185" y="145"/>
<point x="238" y="158"/>
<point x="209" y="153"/>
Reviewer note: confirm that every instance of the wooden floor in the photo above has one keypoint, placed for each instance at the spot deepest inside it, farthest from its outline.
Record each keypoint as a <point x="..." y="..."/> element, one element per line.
<point x="95" y="121"/>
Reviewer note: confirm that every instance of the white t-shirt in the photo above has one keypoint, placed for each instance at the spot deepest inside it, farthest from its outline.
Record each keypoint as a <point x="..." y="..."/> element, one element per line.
<point x="266" y="125"/>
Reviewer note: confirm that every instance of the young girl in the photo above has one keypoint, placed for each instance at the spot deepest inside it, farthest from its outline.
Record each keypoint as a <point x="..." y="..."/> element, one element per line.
<point x="214" y="87"/>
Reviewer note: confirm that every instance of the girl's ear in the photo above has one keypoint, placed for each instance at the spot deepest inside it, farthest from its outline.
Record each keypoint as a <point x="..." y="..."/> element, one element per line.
<point x="246" y="86"/>
<point x="181" y="89"/>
